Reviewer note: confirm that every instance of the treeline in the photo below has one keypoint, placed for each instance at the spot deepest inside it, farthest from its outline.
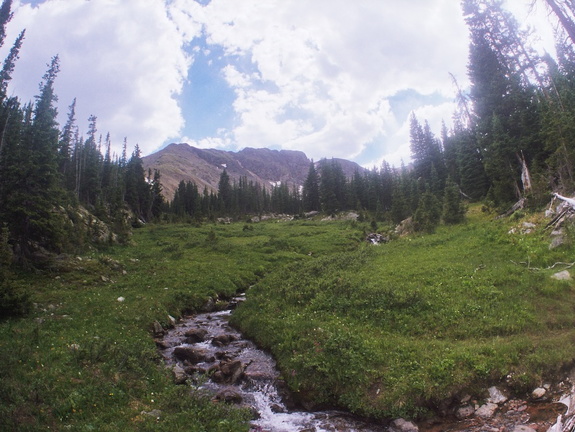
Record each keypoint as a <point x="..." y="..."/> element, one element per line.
<point x="47" y="173"/>
<point x="513" y="139"/>
<point x="385" y="194"/>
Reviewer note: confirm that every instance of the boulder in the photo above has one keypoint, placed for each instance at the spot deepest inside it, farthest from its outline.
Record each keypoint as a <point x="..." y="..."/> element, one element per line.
<point x="172" y="321"/>
<point x="405" y="227"/>
<point x="522" y="428"/>
<point x="376" y="238"/>
<point x="192" y="355"/>
<point x="401" y="425"/>
<point x="538" y="393"/>
<point x="154" y="413"/>
<point x="158" y="329"/>
<point x="195" y="335"/>
<point x="563" y="276"/>
<point x="556" y="242"/>
<point x="180" y="375"/>
<point x="227" y="372"/>
<point x="229" y="395"/>
<point x="495" y="396"/>
<point x="464" y="412"/>
<point x="161" y="344"/>
<point x="487" y="410"/>
<point x="223" y="340"/>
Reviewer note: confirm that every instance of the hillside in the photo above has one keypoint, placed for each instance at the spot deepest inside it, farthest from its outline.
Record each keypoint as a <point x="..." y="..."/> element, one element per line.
<point x="178" y="162"/>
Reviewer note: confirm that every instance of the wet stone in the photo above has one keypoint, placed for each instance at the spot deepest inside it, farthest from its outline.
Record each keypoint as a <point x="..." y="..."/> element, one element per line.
<point x="229" y="395"/>
<point x="192" y="355"/>
<point x="195" y="335"/>
<point x="223" y="340"/>
<point x="161" y="344"/>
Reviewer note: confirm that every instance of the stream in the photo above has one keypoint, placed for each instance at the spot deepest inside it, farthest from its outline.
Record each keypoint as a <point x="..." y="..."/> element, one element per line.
<point x="205" y="345"/>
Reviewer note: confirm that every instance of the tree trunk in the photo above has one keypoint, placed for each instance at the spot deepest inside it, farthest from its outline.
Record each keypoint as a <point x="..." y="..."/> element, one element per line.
<point x="566" y="22"/>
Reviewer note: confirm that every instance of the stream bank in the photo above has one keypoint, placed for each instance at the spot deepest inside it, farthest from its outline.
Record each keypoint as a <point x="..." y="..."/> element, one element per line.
<point x="205" y="351"/>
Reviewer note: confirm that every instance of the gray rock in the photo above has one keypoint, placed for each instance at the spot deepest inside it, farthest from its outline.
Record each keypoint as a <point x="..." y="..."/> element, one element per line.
<point x="229" y="395"/>
<point x="523" y="429"/>
<point x="172" y="321"/>
<point x="192" y="355"/>
<point x="487" y="410"/>
<point x="556" y="242"/>
<point x="154" y="413"/>
<point x="158" y="329"/>
<point x="563" y="275"/>
<point x="223" y="340"/>
<point x="538" y="393"/>
<point x="179" y="373"/>
<point x="495" y="396"/>
<point x="401" y="425"/>
<point x="210" y="305"/>
<point x="465" y="412"/>
<point x="195" y="335"/>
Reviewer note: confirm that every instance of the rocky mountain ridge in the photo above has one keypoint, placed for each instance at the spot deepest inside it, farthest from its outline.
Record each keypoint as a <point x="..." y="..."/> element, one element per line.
<point x="178" y="162"/>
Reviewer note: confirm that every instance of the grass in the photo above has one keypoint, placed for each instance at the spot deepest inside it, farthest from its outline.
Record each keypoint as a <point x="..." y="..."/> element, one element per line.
<point x="382" y="331"/>
<point x="83" y="360"/>
<point x="396" y="329"/>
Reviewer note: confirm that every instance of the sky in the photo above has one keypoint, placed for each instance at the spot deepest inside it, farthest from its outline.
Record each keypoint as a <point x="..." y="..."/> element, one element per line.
<point x="331" y="78"/>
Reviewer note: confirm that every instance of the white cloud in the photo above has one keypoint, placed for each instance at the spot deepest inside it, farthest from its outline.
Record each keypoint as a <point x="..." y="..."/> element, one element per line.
<point x="315" y="76"/>
<point x="321" y="71"/>
<point x="122" y="61"/>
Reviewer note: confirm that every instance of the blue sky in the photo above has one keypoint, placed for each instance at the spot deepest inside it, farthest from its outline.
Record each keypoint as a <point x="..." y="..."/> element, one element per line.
<point x="332" y="78"/>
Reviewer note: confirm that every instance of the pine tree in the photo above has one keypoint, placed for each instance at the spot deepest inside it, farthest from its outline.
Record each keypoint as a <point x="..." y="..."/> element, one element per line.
<point x="453" y="209"/>
<point x="138" y="194"/>
<point x="428" y="213"/>
<point x="311" y="200"/>
<point x="9" y="64"/>
<point x="33" y="178"/>
<point x="157" y="201"/>
<point x="225" y="192"/>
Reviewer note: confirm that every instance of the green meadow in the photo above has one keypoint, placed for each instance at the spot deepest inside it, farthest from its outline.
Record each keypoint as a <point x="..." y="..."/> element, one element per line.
<point x="383" y="331"/>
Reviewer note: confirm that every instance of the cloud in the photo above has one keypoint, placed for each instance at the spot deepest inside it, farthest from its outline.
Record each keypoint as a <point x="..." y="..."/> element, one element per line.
<point x="332" y="78"/>
<point x="325" y="77"/>
<point x="123" y="61"/>
<point x="317" y="76"/>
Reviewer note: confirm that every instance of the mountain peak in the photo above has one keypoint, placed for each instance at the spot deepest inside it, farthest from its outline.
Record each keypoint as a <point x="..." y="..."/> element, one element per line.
<point x="181" y="161"/>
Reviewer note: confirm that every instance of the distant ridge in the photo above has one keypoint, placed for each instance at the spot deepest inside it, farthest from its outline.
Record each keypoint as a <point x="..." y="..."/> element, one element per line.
<point x="178" y="162"/>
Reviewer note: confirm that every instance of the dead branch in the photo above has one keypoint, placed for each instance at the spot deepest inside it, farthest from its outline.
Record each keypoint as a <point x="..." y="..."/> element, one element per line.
<point x="569" y="265"/>
<point x="569" y="201"/>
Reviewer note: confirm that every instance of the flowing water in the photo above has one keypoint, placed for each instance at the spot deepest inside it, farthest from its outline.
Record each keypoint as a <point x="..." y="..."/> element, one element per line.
<point x="205" y="345"/>
<point x="259" y="387"/>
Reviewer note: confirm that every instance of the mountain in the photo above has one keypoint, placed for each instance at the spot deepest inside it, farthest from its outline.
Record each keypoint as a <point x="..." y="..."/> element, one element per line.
<point x="178" y="162"/>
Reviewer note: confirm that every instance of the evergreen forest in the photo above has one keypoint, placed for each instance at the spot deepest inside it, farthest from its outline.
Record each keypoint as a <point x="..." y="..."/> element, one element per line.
<point x="513" y="139"/>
